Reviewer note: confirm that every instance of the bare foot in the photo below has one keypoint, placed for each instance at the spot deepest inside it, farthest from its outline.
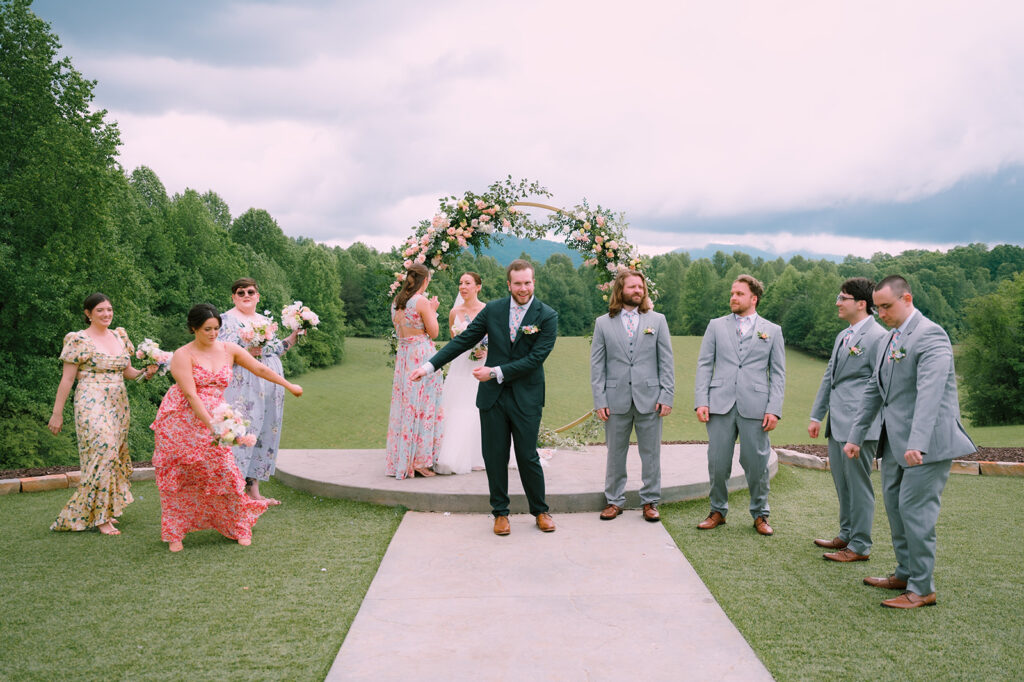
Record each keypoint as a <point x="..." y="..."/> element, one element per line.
<point x="271" y="502"/>
<point x="175" y="546"/>
<point x="423" y="472"/>
<point x="245" y="542"/>
<point x="115" y="521"/>
<point x="108" y="529"/>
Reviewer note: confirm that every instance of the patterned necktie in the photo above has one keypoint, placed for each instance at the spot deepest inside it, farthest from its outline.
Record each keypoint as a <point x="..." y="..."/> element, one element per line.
<point x="892" y="345"/>
<point x="515" y="318"/>
<point x="743" y="325"/>
<point x="846" y="337"/>
<point x="632" y="320"/>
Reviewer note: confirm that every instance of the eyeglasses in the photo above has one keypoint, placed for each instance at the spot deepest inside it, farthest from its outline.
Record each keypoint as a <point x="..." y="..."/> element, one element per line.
<point x="844" y="297"/>
<point x="246" y="292"/>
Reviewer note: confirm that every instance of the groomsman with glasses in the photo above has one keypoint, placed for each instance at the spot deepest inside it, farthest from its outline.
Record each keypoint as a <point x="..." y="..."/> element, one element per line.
<point x="913" y="393"/>
<point x="741" y="380"/>
<point x="849" y="369"/>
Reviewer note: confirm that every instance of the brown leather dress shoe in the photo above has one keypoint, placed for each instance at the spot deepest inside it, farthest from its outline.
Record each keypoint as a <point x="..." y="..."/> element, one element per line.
<point x="610" y="512"/>
<point x="909" y="600"/>
<point x="651" y="512"/>
<point x="501" y="525"/>
<point x="890" y="582"/>
<point x="834" y="543"/>
<point x="845" y="555"/>
<point x="545" y="522"/>
<point x="762" y="527"/>
<point x="713" y="520"/>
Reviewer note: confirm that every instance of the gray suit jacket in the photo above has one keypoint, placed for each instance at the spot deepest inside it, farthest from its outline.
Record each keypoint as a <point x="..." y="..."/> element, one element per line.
<point x="755" y="383"/>
<point x="645" y="377"/>
<point x="916" y="396"/>
<point x="842" y="387"/>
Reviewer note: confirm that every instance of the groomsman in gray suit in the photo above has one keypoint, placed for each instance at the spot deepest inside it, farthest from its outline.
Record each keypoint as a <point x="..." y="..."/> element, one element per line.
<point x="913" y="389"/>
<point x="741" y="379"/>
<point x="848" y="372"/>
<point x="632" y="376"/>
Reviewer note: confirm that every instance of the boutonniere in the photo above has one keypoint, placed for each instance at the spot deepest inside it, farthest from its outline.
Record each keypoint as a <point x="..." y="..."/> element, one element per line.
<point x="897" y="355"/>
<point x="761" y="335"/>
<point x="649" y="330"/>
<point x="530" y="329"/>
<point x="856" y="350"/>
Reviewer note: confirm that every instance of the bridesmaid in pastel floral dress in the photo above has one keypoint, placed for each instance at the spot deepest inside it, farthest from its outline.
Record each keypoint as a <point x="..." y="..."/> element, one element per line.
<point x="262" y="401"/>
<point x="414" y="425"/>
<point x="199" y="482"/>
<point x="99" y="359"/>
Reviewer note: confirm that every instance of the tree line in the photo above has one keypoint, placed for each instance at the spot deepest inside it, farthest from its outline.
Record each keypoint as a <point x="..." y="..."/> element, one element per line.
<point x="73" y="221"/>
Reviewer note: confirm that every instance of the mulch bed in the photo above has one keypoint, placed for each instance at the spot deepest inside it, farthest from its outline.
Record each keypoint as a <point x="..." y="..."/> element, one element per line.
<point x="982" y="455"/>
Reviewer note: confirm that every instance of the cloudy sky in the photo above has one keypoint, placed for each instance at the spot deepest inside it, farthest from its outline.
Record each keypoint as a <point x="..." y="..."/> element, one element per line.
<point x="824" y="126"/>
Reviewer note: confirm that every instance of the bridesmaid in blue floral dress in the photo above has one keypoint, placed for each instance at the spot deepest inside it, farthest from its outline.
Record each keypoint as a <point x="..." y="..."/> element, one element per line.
<point x="415" y="423"/>
<point x="262" y="401"/>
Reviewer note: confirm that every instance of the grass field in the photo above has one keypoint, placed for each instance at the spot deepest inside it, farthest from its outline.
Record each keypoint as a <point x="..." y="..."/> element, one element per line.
<point x="811" y="619"/>
<point x="346" y="406"/>
<point x="90" y="607"/>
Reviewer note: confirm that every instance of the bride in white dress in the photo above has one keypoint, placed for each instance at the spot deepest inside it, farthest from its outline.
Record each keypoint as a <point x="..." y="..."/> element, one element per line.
<point x="460" y="449"/>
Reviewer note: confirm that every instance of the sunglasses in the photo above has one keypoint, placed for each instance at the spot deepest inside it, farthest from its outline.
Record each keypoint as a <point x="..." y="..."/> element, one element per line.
<point x="246" y="292"/>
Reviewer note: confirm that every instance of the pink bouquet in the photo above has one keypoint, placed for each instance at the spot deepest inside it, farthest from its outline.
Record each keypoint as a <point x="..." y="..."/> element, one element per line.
<point x="229" y="427"/>
<point x="299" y="317"/>
<point x="149" y="352"/>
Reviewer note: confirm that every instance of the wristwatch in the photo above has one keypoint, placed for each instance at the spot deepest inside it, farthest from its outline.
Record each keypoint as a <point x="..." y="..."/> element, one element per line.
<point x="492" y="374"/>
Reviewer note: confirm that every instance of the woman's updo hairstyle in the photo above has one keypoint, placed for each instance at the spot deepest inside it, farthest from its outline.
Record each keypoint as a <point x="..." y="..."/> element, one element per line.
<point x="91" y="301"/>
<point x="200" y="313"/>
<point x="415" y="275"/>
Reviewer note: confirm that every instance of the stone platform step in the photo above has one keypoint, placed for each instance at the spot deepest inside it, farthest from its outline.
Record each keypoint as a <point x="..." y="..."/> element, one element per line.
<point x="574" y="480"/>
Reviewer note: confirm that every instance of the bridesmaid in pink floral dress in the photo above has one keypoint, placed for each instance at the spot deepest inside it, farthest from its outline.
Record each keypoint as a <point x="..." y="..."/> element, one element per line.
<point x="200" y="484"/>
<point x="415" y="422"/>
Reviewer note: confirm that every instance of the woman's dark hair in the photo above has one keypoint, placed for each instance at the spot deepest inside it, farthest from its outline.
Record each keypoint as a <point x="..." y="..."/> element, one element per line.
<point x="243" y="282"/>
<point x="91" y="302"/>
<point x="415" y="275"/>
<point x="200" y="313"/>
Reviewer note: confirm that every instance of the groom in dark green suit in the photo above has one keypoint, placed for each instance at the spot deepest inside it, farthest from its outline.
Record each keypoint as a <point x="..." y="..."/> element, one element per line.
<point x="521" y="332"/>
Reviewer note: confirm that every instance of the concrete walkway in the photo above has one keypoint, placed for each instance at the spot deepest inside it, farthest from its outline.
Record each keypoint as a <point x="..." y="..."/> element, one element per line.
<point x="595" y="600"/>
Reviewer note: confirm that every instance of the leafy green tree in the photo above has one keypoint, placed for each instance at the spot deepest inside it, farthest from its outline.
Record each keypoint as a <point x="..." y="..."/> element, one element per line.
<point x="992" y="359"/>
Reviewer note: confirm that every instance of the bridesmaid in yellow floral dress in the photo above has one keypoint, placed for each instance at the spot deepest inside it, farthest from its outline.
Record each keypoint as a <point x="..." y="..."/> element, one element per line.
<point x="100" y="359"/>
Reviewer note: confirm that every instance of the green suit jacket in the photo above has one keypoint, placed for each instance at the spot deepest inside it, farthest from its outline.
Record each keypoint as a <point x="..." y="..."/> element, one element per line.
<point x="521" y="361"/>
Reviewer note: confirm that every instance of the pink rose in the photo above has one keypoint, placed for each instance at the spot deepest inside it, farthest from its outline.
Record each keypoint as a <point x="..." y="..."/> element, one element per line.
<point x="600" y="221"/>
<point x="407" y="264"/>
<point x="481" y="204"/>
<point x="505" y="223"/>
<point x="612" y="244"/>
<point x="599" y="239"/>
<point x="451" y="231"/>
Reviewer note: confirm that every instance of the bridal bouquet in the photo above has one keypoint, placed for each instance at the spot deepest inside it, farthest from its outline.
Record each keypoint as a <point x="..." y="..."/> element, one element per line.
<point x="149" y="352"/>
<point x="478" y="352"/>
<point x="254" y="334"/>
<point x="299" y="317"/>
<point x="229" y="427"/>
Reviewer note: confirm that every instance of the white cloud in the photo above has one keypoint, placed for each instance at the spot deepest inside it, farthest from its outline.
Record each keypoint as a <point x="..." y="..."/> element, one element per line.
<point x="659" y="110"/>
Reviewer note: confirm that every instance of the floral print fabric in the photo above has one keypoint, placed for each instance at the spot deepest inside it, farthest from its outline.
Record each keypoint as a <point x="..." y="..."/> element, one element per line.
<point x="200" y="484"/>
<point x="414" y="424"/>
<point x="261" y="401"/>
<point x="101" y="424"/>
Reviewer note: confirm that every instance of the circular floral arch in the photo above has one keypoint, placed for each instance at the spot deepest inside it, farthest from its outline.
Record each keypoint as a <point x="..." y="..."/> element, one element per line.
<point x="470" y="221"/>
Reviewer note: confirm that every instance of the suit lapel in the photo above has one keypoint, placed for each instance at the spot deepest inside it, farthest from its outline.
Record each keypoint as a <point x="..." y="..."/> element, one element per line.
<point x="500" y="321"/>
<point x="838" y="357"/>
<point x="729" y="322"/>
<point x="532" y="314"/>
<point x="619" y="333"/>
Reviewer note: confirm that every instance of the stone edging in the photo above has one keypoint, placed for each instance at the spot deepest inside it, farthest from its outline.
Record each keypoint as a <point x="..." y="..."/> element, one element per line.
<point x="70" y="479"/>
<point x="960" y="466"/>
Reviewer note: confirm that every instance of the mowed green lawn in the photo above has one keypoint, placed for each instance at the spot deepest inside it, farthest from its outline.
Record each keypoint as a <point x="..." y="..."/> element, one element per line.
<point x="346" y="406"/>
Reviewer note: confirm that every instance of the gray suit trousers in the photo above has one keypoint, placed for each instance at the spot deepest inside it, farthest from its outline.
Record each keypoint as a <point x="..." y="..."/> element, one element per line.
<point x="648" y="436"/>
<point x="856" y="494"/>
<point x="755" y="449"/>
<point x="912" y="500"/>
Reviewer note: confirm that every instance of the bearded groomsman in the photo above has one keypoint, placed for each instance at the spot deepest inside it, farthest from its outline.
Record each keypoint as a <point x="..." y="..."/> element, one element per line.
<point x="913" y="390"/>
<point x="842" y="386"/>
<point x="632" y="376"/>
<point x="741" y="379"/>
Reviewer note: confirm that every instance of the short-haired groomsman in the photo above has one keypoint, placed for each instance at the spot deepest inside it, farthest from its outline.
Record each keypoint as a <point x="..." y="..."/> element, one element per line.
<point x="849" y="369"/>
<point x="632" y="377"/>
<point x="741" y="380"/>
<point x="913" y="389"/>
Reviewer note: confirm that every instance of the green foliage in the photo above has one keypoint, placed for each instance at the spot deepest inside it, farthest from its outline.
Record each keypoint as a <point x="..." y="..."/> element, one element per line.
<point x="992" y="358"/>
